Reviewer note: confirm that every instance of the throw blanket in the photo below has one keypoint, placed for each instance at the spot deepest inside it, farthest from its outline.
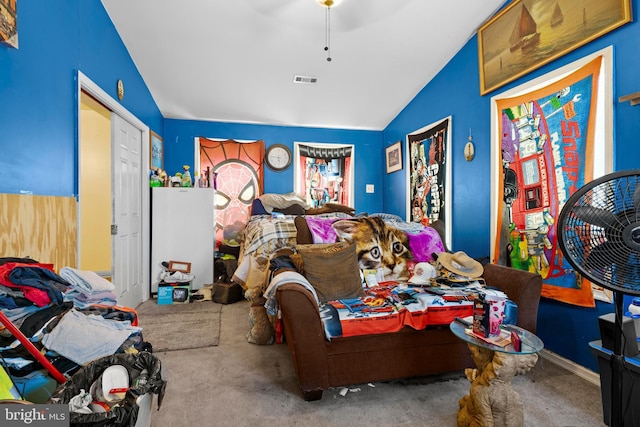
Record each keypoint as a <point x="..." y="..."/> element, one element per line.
<point x="82" y="338"/>
<point x="262" y="236"/>
<point x="391" y="306"/>
<point x="388" y="309"/>
<point x="263" y="230"/>
<point x="87" y="282"/>
<point x="423" y="241"/>
<point x="285" y="277"/>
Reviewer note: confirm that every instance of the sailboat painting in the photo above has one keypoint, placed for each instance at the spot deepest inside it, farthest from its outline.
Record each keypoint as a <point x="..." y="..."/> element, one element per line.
<point x="527" y="34"/>
<point x="557" y="17"/>
<point x="524" y="35"/>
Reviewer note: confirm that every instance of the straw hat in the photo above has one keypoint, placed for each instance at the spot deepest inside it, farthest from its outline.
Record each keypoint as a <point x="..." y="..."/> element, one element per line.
<point x="461" y="264"/>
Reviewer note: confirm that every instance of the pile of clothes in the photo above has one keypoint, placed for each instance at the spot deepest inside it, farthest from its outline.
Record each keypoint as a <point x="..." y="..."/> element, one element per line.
<point x="71" y="318"/>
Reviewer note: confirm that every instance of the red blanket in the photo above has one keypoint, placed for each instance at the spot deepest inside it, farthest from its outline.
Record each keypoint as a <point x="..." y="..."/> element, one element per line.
<point x="390" y="308"/>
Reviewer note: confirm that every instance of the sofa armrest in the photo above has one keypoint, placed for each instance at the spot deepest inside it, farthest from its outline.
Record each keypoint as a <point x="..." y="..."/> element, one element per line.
<point x="522" y="287"/>
<point x="305" y="337"/>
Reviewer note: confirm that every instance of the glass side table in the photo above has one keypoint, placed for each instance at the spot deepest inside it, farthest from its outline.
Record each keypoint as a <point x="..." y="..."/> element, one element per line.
<point x="492" y="400"/>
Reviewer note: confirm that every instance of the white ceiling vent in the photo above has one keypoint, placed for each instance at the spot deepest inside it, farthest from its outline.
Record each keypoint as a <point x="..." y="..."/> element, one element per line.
<point x="305" y="79"/>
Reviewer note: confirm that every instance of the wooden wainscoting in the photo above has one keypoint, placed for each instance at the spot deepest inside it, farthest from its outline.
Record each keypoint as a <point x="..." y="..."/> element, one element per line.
<point x="41" y="227"/>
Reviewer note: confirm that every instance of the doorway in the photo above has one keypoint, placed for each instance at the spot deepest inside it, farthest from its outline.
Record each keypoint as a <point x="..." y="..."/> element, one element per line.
<point x="123" y="232"/>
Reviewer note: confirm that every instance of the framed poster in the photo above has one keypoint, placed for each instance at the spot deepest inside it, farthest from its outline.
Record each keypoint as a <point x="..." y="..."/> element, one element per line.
<point x="324" y="173"/>
<point x="544" y="149"/>
<point x="530" y="33"/>
<point x="393" y="157"/>
<point x="156" y="151"/>
<point x="429" y="177"/>
<point x="9" y="23"/>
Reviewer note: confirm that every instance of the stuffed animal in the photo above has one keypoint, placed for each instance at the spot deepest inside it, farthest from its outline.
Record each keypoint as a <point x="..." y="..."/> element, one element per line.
<point x="261" y="330"/>
<point x="261" y="325"/>
<point x="491" y="400"/>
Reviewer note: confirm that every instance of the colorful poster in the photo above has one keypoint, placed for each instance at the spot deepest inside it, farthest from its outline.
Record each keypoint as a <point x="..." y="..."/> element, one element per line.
<point x="429" y="174"/>
<point x="324" y="172"/>
<point x="235" y="170"/>
<point x="547" y="146"/>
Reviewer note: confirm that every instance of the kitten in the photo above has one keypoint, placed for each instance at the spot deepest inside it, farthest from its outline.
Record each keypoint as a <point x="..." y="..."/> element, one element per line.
<point x="378" y="245"/>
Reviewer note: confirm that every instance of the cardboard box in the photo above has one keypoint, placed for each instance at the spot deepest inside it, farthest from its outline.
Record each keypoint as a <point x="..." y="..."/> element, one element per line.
<point x="177" y="293"/>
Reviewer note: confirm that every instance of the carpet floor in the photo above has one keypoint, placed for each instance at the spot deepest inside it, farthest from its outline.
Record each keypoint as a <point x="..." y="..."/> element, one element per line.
<point x="241" y="384"/>
<point x="180" y="326"/>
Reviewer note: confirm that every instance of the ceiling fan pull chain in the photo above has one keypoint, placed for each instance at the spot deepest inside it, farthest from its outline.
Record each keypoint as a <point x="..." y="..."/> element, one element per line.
<point x="327" y="33"/>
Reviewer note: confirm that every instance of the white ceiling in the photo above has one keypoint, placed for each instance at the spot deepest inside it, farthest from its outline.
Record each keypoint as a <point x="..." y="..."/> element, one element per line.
<point x="235" y="60"/>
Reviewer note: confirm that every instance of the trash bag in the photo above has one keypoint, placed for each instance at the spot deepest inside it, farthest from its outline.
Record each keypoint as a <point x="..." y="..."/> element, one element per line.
<point x="126" y="413"/>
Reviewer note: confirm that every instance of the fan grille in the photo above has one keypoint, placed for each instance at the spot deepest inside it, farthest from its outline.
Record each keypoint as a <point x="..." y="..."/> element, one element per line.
<point x="599" y="231"/>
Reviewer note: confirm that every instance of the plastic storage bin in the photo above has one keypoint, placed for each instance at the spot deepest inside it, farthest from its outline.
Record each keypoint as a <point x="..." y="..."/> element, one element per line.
<point x="631" y="418"/>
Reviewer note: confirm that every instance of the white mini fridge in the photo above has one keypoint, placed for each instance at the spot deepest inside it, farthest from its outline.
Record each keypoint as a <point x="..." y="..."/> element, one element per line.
<point x="183" y="229"/>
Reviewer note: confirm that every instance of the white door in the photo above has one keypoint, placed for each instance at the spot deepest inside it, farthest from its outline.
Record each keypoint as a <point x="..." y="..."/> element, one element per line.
<point x="127" y="211"/>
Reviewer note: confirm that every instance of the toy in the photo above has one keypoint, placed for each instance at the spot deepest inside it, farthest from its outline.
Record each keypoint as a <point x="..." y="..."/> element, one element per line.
<point x="261" y="330"/>
<point x="186" y="177"/>
<point x="492" y="400"/>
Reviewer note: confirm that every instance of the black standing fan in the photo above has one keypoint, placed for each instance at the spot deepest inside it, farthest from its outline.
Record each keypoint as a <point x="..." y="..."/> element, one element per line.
<point x="599" y="234"/>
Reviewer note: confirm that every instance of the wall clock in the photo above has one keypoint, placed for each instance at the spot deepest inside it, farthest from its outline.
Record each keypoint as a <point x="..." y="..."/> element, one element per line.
<point x="278" y="157"/>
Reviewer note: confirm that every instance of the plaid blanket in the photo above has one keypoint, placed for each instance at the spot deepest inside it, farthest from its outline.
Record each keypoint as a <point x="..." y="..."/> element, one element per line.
<point x="263" y="230"/>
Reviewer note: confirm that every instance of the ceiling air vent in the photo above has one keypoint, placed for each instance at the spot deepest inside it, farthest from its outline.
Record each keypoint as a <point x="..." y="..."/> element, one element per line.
<point x="305" y="79"/>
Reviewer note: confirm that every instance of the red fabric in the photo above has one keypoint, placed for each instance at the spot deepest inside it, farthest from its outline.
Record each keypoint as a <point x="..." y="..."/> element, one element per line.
<point x="393" y="321"/>
<point x="37" y="296"/>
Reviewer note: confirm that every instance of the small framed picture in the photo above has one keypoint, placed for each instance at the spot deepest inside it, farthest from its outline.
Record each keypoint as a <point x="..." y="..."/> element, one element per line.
<point x="393" y="156"/>
<point x="184" y="267"/>
<point x="156" y="151"/>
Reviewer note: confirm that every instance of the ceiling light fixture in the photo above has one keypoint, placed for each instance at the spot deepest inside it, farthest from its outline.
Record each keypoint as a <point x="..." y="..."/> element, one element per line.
<point x="327" y="32"/>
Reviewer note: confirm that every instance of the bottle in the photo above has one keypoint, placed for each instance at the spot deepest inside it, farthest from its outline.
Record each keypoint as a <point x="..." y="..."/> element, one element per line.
<point x="139" y="384"/>
<point x="186" y="177"/>
<point x="634" y="313"/>
<point x="634" y="308"/>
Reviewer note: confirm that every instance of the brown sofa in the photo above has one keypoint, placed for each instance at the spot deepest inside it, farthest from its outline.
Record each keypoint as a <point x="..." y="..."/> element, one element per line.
<point x="321" y="364"/>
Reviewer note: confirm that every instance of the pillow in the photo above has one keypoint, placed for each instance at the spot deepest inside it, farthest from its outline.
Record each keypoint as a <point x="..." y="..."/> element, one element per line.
<point x="257" y="208"/>
<point x="332" y="269"/>
<point x="281" y="201"/>
<point x="291" y="210"/>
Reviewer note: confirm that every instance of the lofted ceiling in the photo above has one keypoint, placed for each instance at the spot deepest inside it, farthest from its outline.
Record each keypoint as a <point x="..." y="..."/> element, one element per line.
<point x="235" y="60"/>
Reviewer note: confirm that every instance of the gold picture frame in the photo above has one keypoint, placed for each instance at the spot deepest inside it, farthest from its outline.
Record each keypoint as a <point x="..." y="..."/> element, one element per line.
<point x="9" y="23"/>
<point x="393" y="157"/>
<point x="156" y="151"/>
<point x="528" y="34"/>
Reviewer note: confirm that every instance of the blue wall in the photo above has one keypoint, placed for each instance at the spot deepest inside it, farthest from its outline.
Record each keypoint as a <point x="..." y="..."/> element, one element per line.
<point x="455" y="92"/>
<point x="369" y="161"/>
<point x="38" y="129"/>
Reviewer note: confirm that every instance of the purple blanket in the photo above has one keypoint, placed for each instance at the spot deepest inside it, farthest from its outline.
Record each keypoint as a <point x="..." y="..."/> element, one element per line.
<point x="424" y="243"/>
<point x="321" y="229"/>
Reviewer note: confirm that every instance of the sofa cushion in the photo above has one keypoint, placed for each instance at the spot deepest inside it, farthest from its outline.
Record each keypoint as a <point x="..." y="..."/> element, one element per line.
<point x="332" y="269"/>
